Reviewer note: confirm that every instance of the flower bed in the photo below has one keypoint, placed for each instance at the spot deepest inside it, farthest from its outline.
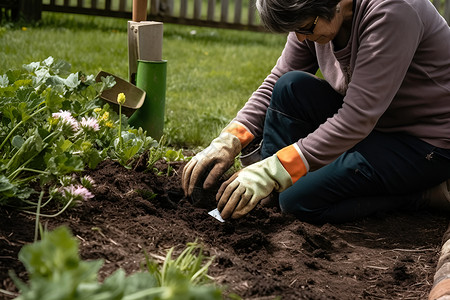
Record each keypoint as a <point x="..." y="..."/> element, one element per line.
<point x="129" y="210"/>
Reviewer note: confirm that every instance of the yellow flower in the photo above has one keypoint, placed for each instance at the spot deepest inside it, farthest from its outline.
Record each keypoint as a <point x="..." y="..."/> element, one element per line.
<point x="109" y="124"/>
<point x="105" y="116"/>
<point x="121" y="98"/>
<point x="97" y="110"/>
<point x="24" y="28"/>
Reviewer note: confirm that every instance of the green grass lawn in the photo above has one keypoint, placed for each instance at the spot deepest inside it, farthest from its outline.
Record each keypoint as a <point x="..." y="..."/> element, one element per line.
<point x="210" y="72"/>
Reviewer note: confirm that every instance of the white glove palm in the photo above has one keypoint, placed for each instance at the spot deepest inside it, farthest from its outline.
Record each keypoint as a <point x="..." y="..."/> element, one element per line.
<point x="243" y="191"/>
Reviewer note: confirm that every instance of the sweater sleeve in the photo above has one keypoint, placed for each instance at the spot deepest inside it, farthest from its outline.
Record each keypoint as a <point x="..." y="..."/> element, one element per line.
<point x="295" y="56"/>
<point x="388" y="36"/>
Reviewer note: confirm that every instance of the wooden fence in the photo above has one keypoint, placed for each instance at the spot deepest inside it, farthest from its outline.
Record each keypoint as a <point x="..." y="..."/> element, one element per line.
<point x="232" y="14"/>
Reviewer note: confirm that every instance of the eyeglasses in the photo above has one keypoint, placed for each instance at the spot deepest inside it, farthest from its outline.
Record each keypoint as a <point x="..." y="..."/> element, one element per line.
<point x="310" y="30"/>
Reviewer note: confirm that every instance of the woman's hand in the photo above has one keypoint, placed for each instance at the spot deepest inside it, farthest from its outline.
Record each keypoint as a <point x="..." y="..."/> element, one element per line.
<point x="246" y="188"/>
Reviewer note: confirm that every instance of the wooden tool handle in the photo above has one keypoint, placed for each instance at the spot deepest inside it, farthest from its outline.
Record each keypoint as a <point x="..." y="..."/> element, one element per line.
<point x="139" y="10"/>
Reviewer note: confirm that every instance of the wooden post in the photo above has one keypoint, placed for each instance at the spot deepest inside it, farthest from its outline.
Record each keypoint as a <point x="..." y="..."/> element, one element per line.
<point x="144" y="39"/>
<point x="237" y="11"/>
<point x="441" y="284"/>
<point x="30" y="10"/>
<point x="139" y="10"/>
<point x="251" y="12"/>
<point x="197" y="9"/>
<point x="154" y="7"/>
<point x="211" y="10"/>
<point x="183" y="9"/>
<point x="224" y="11"/>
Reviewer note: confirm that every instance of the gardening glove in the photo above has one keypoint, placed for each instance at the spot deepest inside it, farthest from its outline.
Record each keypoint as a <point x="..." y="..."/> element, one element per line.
<point x="243" y="191"/>
<point x="216" y="159"/>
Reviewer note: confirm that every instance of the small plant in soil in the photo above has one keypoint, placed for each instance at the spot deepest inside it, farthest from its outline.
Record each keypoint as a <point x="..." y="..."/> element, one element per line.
<point x="53" y="124"/>
<point x="57" y="272"/>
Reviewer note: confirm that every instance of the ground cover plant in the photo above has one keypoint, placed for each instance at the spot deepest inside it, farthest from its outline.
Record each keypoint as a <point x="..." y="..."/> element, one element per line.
<point x="210" y="72"/>
<point x="138" y="211"/>
<point x="57" y="272"/>
<point x="53" y="124"/>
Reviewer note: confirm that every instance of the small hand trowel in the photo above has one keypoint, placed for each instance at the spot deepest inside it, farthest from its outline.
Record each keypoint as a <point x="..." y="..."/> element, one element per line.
<point x="135" y="96"/>
<point x="216" y="214"/>
<point x="206" y="198"/>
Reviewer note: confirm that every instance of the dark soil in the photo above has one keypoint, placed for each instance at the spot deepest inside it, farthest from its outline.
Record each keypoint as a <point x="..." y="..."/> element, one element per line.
<point x="264" y="255"/>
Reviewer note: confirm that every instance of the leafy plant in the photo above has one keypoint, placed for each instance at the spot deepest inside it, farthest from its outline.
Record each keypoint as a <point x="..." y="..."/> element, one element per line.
<point x="162" y="152"/>
<point x="56" y="272"/>
<point x="52" y="123"/>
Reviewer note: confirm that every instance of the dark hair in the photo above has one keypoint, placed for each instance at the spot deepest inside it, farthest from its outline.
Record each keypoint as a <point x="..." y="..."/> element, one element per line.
<point x="285" y="15"/>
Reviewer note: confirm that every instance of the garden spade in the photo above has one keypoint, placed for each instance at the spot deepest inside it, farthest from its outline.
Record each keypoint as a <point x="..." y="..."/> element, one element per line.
<point x="134" y="96"/>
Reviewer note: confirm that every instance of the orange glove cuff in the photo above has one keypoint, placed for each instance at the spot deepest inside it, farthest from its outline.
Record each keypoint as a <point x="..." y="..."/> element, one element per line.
<point x="241" y="132"/>
<point x="292" y="161"/>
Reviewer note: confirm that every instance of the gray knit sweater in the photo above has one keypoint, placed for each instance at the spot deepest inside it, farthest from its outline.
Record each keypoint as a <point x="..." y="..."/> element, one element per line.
<point x="394" y="73"/>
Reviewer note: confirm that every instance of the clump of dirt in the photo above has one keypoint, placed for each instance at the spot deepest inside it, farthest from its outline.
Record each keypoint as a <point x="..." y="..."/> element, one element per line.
<point x="261" y="256"/>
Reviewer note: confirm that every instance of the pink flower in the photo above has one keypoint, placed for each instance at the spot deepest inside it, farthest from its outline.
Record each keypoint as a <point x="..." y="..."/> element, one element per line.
<point x="83" y="192"/>
<point x="77" y="191"/>
<point x="67" y="119"/>
<point x="90" y="124"/>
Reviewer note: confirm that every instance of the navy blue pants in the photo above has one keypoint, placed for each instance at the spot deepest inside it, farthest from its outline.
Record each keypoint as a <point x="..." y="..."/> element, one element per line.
<point x="384" y="172"/>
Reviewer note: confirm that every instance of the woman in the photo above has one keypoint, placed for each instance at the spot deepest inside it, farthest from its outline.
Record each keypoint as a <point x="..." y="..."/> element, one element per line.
<point x="371" y="136"/>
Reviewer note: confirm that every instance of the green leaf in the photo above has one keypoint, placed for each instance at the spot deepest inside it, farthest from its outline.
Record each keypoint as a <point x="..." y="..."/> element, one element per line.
<point x="65" y="145"/>
<point x="113" y="288"/>
<point x="61" y="67"/>
<point x="5" y="185"/>
<point x="72" y="81"/>
<point x="43" y="259"/>
<point x="140" y="281"/>
<point x="108" y="82"/>
<point x="64" y="163"/>
<point x="93" y="157"/>
<point x="31" y="147"/>
<point x="56" y="270"/>
<point x="172" y="155"/>
<point x="17" y="141"/>
<point x="8" y="111"/>
<point x="53" y="99"/>
<point x="55" y="81"/>
<point x="48" y="61"/>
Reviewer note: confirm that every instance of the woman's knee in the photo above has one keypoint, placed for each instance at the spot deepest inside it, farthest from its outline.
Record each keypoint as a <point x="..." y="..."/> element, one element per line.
<point x="301" y="208"/>
<point x="305" y="97"/>
<point x="288" y="91"/>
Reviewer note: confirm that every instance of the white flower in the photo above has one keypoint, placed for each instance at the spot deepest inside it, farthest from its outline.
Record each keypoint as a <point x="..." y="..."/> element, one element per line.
<point x="67" y="119"/>
<point x="90" y="124"/>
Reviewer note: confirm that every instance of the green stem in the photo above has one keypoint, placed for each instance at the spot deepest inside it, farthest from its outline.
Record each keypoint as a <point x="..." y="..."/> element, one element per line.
<point x="120" y="127"/>
<point x="54" y="215"/>
<point x="20" y="123"/>
<point x="30" y="159"/>
<point x="14" y="174"/>
<point x="38" y="211"/>
<point x="33" y="205"/>
<point x="57" y="133"/>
